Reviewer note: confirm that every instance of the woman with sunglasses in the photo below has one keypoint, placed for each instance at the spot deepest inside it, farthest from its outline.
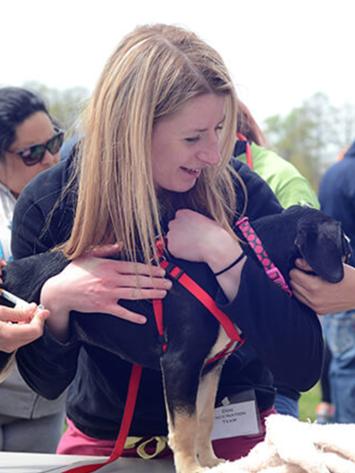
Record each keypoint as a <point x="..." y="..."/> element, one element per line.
<point x="29" y="144"/>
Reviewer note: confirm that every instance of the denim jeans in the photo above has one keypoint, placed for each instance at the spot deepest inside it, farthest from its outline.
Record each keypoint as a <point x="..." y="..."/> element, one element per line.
<point x="339" y="332"/>
<point x="285" y="405"/>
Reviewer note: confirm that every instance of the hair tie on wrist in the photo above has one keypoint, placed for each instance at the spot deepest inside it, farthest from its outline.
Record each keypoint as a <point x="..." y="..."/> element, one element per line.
<point x="238" y="260"/>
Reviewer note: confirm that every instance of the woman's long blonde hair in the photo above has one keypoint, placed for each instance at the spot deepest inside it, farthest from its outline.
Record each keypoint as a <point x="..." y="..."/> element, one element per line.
<point x="154" y="71"/>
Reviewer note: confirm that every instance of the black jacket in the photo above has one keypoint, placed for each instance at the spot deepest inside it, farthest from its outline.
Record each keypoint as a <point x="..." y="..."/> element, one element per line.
<point x="279" y="330"/>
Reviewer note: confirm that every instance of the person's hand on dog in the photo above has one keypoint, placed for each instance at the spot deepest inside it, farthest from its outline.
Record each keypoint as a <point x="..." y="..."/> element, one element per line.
<point x="322" y="296"/>
<point x="93" y="283"/>
<point x="194" y="237"/>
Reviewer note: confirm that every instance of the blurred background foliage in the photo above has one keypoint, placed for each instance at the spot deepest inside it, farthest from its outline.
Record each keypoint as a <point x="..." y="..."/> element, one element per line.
<point x="313" y="135"/>
<point x="65" y="105"/>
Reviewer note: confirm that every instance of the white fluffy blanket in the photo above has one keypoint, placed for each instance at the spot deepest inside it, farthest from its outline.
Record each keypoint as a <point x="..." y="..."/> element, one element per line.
<point x="292" y="446"/>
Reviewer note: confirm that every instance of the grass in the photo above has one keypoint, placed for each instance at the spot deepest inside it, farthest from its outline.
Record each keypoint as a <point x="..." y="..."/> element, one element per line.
<point x="308" y="403"/>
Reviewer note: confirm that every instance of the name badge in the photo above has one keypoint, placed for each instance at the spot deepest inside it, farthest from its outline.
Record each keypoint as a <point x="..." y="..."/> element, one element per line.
<point x="236" y="416"/>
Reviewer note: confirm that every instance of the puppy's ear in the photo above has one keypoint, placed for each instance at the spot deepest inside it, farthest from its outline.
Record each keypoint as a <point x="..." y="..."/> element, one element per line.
<point x="320" y="244"/>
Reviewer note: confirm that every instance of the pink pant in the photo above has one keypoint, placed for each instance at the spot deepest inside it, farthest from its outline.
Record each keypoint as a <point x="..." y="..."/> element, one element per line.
<point x="75" y="442"/>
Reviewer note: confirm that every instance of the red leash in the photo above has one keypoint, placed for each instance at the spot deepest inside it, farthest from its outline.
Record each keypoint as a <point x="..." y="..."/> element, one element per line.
<point x="131" y="398"/>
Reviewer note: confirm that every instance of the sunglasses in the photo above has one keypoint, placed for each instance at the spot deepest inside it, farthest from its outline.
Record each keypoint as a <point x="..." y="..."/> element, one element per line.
<point x="34" y="154"/>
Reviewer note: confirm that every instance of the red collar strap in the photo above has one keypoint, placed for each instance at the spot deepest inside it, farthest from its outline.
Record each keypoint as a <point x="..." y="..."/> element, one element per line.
<point x="256" y="245"/>
<point x="248" y="153"/>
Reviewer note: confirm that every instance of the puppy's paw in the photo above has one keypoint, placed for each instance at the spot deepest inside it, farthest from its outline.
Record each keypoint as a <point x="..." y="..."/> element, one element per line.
<point x="211" y="462"/>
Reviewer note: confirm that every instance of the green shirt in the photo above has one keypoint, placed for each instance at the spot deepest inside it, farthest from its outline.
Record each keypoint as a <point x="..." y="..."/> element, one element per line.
<point x="289" y="186"/>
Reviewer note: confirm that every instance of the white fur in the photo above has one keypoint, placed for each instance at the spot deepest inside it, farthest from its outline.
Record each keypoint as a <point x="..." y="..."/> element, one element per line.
<point x="291" y="446"/>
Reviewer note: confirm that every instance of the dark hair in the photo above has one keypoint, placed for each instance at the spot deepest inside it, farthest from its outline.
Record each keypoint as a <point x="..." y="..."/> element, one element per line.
<point x="246" y="124"/>
<point x="16" y="105"/>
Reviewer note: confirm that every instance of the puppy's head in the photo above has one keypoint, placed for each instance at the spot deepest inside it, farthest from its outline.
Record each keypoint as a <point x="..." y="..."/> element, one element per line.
<point x="322" y="243"/>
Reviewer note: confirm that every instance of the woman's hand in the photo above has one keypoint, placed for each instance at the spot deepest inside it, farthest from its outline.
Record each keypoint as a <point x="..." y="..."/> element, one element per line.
<point x="323" y="297"/>
<point x="93" y="283"/>
<point x="194" y="237"/>
<point x="20" y="326"/>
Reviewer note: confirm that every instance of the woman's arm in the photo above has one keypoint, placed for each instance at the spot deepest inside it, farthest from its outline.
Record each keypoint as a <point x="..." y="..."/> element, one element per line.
<point x="324" y="297"/>
<point x="95" y="284"/>
<point x="194" y="237"/>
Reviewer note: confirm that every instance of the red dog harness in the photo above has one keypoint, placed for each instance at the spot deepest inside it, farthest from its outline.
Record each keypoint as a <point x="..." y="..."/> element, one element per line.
<point x="233" y="333"/>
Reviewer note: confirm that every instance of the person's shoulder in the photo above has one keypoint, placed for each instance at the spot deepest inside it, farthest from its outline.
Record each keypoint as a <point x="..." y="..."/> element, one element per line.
<point x="244" y="170"/>
<point x="43" y="193"/>
<point x="259" y="197"/>
<point x="51" y="181"/>
<point x="272" y="164"/>
<point x="339" y="171"/>
<point x="249" y="177"/>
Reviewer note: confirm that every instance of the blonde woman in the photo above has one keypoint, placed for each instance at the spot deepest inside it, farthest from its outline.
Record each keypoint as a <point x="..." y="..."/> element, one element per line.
<point x="159" y="133"/>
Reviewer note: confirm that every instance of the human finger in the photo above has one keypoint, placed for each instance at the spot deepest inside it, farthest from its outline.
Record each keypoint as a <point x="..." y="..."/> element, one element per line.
<point x="129" y="267"/>
<point x="303" y="265"/>
<point x="41" y="314"/>
<point x="143" y="282"/>
<point x="102" y="251"/>
<point x="121" y="312"/>
<point x="302" y="278"/>
<point x="14" y="336"/>
<point x="17" y="314"/>
<point x="136" y="293"/>
<point x="309" y="297"/>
